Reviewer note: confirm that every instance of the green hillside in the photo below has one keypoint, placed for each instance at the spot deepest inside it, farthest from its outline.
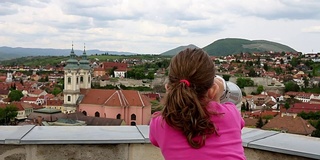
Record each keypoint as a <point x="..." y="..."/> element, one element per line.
<point x="177" y="50"/>
<point x="230" y="46"/>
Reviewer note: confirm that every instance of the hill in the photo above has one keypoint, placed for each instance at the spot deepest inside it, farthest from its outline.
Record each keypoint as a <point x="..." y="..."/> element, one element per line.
<point x="11" y="53"/>
<point x="177" y="50"/>
<point x="230" y="46"/>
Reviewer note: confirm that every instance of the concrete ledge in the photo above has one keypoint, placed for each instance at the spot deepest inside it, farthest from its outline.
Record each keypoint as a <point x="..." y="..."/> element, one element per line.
<point x="135" y="140"/>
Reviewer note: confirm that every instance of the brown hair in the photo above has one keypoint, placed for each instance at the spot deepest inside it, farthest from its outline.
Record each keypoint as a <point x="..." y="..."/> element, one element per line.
<point x="186" y="104"/>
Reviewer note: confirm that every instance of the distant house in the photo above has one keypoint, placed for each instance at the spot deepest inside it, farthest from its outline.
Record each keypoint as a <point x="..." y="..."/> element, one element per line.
<point x="306" y="107"/>
<point x="34" y="100"/>
<point x="289" y="124"/>
<point x="4" y="93"/>
<point x="129" y="105"/>
<point x="37" y="93"/>
<point x="99" y="72"/>
<point x="120" y="72"/>
<point x="24" y="110"/>
<point x="54" y="104"/>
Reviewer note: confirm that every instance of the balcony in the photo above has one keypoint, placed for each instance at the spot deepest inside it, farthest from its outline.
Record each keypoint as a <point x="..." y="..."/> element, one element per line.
<point x="132" y="143"/>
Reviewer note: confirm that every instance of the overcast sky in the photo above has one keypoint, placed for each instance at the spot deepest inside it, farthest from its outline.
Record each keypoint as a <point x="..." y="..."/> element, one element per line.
<point x="155" y="26"/>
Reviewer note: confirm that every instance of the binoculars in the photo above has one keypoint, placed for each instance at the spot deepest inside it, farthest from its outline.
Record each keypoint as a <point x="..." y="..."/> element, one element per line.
<point x="232" y="93"/>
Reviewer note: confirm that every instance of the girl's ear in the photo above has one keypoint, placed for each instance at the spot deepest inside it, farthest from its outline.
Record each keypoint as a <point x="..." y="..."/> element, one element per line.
<point x="213" y="93"/>
<point x="166" y="87"/>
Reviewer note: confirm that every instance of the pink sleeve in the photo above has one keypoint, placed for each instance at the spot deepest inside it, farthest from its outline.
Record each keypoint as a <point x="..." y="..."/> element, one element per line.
<point x="242" y="122"/>
<point x="237" y="113"/>
<point x="152" y="131"/>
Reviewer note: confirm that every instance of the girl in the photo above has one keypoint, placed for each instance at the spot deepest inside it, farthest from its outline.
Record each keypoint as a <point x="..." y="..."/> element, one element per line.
<point x="193" y="124"/>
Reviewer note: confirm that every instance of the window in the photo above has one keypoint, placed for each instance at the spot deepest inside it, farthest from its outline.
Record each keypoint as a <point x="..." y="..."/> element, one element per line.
<point x="69" y="80"/>
<point x="133" y="117"/>
<point x="89" y="79"/>
<point x="97" y="114"/>
<point x="119" y="116"/>
<point x="84" y="113"/>
<point x="69" y="98"/>
<point x="77" y="80"/>
<point x="81" y="79"/>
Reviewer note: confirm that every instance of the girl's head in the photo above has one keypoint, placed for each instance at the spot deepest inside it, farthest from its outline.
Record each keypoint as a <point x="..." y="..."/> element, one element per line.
<point x="189" y="90"/>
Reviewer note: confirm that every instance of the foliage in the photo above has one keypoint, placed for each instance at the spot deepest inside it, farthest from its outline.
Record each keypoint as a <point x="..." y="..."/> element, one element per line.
<point x="310" y="115"/>
<point x="260" y="89"/>
<point x="244" y="82"/>
<point x="8" y="113"/>
<point x="56" y="91"/>
<point x="267" y="117"/>
<point x="15" y="95"/>
<point x="259" y="123"/>
<point x="243" y="107"/>
<point x="291" y="86"/>
<point x="226" y="77"/>
<point x="316" y="133"/>
<point x="287" y="105"/>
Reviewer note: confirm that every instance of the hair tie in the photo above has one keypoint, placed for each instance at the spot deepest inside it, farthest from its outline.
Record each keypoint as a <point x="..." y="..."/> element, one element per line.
<point x="185" y="82"/>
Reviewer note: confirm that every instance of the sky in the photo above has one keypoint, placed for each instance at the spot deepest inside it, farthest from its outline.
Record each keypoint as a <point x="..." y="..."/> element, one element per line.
<point x="156" y="26"/>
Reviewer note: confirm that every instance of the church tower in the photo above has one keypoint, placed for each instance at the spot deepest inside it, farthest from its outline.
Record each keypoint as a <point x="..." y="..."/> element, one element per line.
<point x="71" y="89"/>
<point x="84" y="71"/>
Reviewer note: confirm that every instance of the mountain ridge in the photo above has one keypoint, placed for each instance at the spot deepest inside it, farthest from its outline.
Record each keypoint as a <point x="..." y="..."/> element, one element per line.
<point x="229" y="46"/>
<point x="8" y="53"/>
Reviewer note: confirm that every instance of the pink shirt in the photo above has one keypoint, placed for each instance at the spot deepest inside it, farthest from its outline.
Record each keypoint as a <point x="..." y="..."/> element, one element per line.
<point x="228" y="145"/>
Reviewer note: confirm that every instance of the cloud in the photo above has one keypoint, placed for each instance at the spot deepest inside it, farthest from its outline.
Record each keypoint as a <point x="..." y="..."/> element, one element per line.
<point x="152" y="26"/>
<point x="312" y="29"/>
<point x="278" y="9"/>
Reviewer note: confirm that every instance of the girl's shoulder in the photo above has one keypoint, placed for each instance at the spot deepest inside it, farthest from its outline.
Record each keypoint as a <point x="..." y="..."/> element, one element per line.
<point x="222" y="106"/>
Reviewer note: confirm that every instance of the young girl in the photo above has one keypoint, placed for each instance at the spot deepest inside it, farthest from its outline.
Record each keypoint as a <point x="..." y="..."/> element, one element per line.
<point x="194" y="125"/>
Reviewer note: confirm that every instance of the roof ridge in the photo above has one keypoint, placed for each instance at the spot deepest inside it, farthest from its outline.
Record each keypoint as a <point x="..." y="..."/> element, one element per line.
<point x="303" y="124"/>
<point x="124" y="98"/>
<point x="110" y="98"/>
<point x="141" y="99"/>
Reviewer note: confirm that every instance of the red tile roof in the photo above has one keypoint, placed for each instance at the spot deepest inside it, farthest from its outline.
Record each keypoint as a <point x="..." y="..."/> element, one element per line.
<point x="54" y="102"/>
<point x="306" y="107"/>
<point x="290" y="124"/>
<point x="114" y="97"/>
<point x="29" y="99"/>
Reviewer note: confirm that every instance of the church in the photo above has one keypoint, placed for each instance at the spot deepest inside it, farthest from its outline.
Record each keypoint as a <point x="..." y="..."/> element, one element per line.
<point x="129" y="105"/>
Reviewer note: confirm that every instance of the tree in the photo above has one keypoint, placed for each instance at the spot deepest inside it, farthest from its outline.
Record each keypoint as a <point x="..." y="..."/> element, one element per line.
<point x="8" y="113"/>
<point x="243" y="107"/>
<point x="306" y="82"/>
<point x="111" y="72"/>
<point x="265" y="67"/>
<point x="226" y="77"/>
<point x="281" y="61"/>
<point x="15" y="95"/>
<point x="287" y="105"/>
<point x="252" y="73"/>
<point x="56" y="91"/>
<point x="291" y="86"/>
<point x="260" y="89"/>
<point x="247" y="106"/>
<point x="150" y="75"/>
<point x="244" y="82"/>
<point x="259" y="123"/>
<point x="316" y="133"/>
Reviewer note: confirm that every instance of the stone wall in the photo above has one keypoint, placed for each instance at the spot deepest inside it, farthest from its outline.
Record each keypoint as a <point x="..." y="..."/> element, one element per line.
<point x="109" y="152"/>
<point x="132" y="143"/>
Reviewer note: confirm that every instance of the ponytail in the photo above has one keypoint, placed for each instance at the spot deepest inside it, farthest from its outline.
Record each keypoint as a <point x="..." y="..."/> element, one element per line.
<point x="191" y="74"/>
<point x="184" y="111"/>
